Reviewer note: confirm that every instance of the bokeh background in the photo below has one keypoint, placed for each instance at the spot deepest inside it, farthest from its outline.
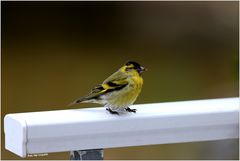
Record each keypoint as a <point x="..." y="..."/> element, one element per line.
<point x="55" y="52"/>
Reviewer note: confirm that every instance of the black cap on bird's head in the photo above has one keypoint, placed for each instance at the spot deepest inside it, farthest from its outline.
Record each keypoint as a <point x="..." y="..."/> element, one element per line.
<point x="136" y="66"/>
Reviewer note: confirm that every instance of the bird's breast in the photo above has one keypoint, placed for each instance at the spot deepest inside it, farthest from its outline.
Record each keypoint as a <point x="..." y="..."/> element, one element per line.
<point x="135" y="87"/>
<point x="136" y="82"/>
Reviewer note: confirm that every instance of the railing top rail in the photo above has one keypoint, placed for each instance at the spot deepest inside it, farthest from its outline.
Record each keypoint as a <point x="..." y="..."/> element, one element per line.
<point x="92" y="128"/>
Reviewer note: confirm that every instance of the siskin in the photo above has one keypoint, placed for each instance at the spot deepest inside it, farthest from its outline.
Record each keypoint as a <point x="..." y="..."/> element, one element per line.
<point x="118" y="91"/>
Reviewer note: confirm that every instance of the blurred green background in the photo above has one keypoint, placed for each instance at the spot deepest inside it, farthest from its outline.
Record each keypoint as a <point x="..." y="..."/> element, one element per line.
<point x="55" y="52"/>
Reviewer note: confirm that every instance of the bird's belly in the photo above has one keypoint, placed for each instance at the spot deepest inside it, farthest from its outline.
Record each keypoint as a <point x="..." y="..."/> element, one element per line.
<point x="121" y="99"/>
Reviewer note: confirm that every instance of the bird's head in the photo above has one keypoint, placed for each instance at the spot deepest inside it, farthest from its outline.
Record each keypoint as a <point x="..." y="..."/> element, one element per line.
<point x="133" y="68"/>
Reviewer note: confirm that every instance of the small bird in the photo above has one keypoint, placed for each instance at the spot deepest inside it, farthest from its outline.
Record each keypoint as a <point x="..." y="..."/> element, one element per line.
<point x="118" y="91"/>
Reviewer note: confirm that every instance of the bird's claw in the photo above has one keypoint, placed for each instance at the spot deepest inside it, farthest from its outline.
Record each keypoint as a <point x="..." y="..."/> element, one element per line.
<point x="112" y="112"/>
<point x="131" y="110"/>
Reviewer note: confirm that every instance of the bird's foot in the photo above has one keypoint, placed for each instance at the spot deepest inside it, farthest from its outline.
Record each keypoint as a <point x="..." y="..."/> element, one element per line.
<point x="112" y="112"/>
<point x="130" y="110"/>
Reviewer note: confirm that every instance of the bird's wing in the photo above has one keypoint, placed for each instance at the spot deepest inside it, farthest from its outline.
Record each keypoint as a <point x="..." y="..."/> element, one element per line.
<point x="115" y="82"/>
<point x="117" y="78"/>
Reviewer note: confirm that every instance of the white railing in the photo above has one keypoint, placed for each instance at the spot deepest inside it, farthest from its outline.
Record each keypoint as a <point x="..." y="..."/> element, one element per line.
<point x="95" y="128"/>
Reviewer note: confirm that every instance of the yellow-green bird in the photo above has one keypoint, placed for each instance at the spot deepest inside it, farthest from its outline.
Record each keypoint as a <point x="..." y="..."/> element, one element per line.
<point x="118" y="91"/>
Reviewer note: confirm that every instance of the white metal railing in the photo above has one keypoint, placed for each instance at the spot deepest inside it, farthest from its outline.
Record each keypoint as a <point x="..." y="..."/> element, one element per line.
<point x="95" y="128"/>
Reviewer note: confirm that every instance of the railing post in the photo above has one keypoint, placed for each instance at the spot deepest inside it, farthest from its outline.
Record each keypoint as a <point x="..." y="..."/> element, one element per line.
<point x="92" y="154"/>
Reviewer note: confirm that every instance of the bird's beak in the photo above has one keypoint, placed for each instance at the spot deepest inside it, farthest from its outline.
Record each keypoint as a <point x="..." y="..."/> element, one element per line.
<point x="142" y="69"/>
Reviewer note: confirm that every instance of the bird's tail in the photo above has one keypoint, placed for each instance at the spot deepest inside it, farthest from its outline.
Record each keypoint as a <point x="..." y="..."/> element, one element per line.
<point x="80" y="100"/>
